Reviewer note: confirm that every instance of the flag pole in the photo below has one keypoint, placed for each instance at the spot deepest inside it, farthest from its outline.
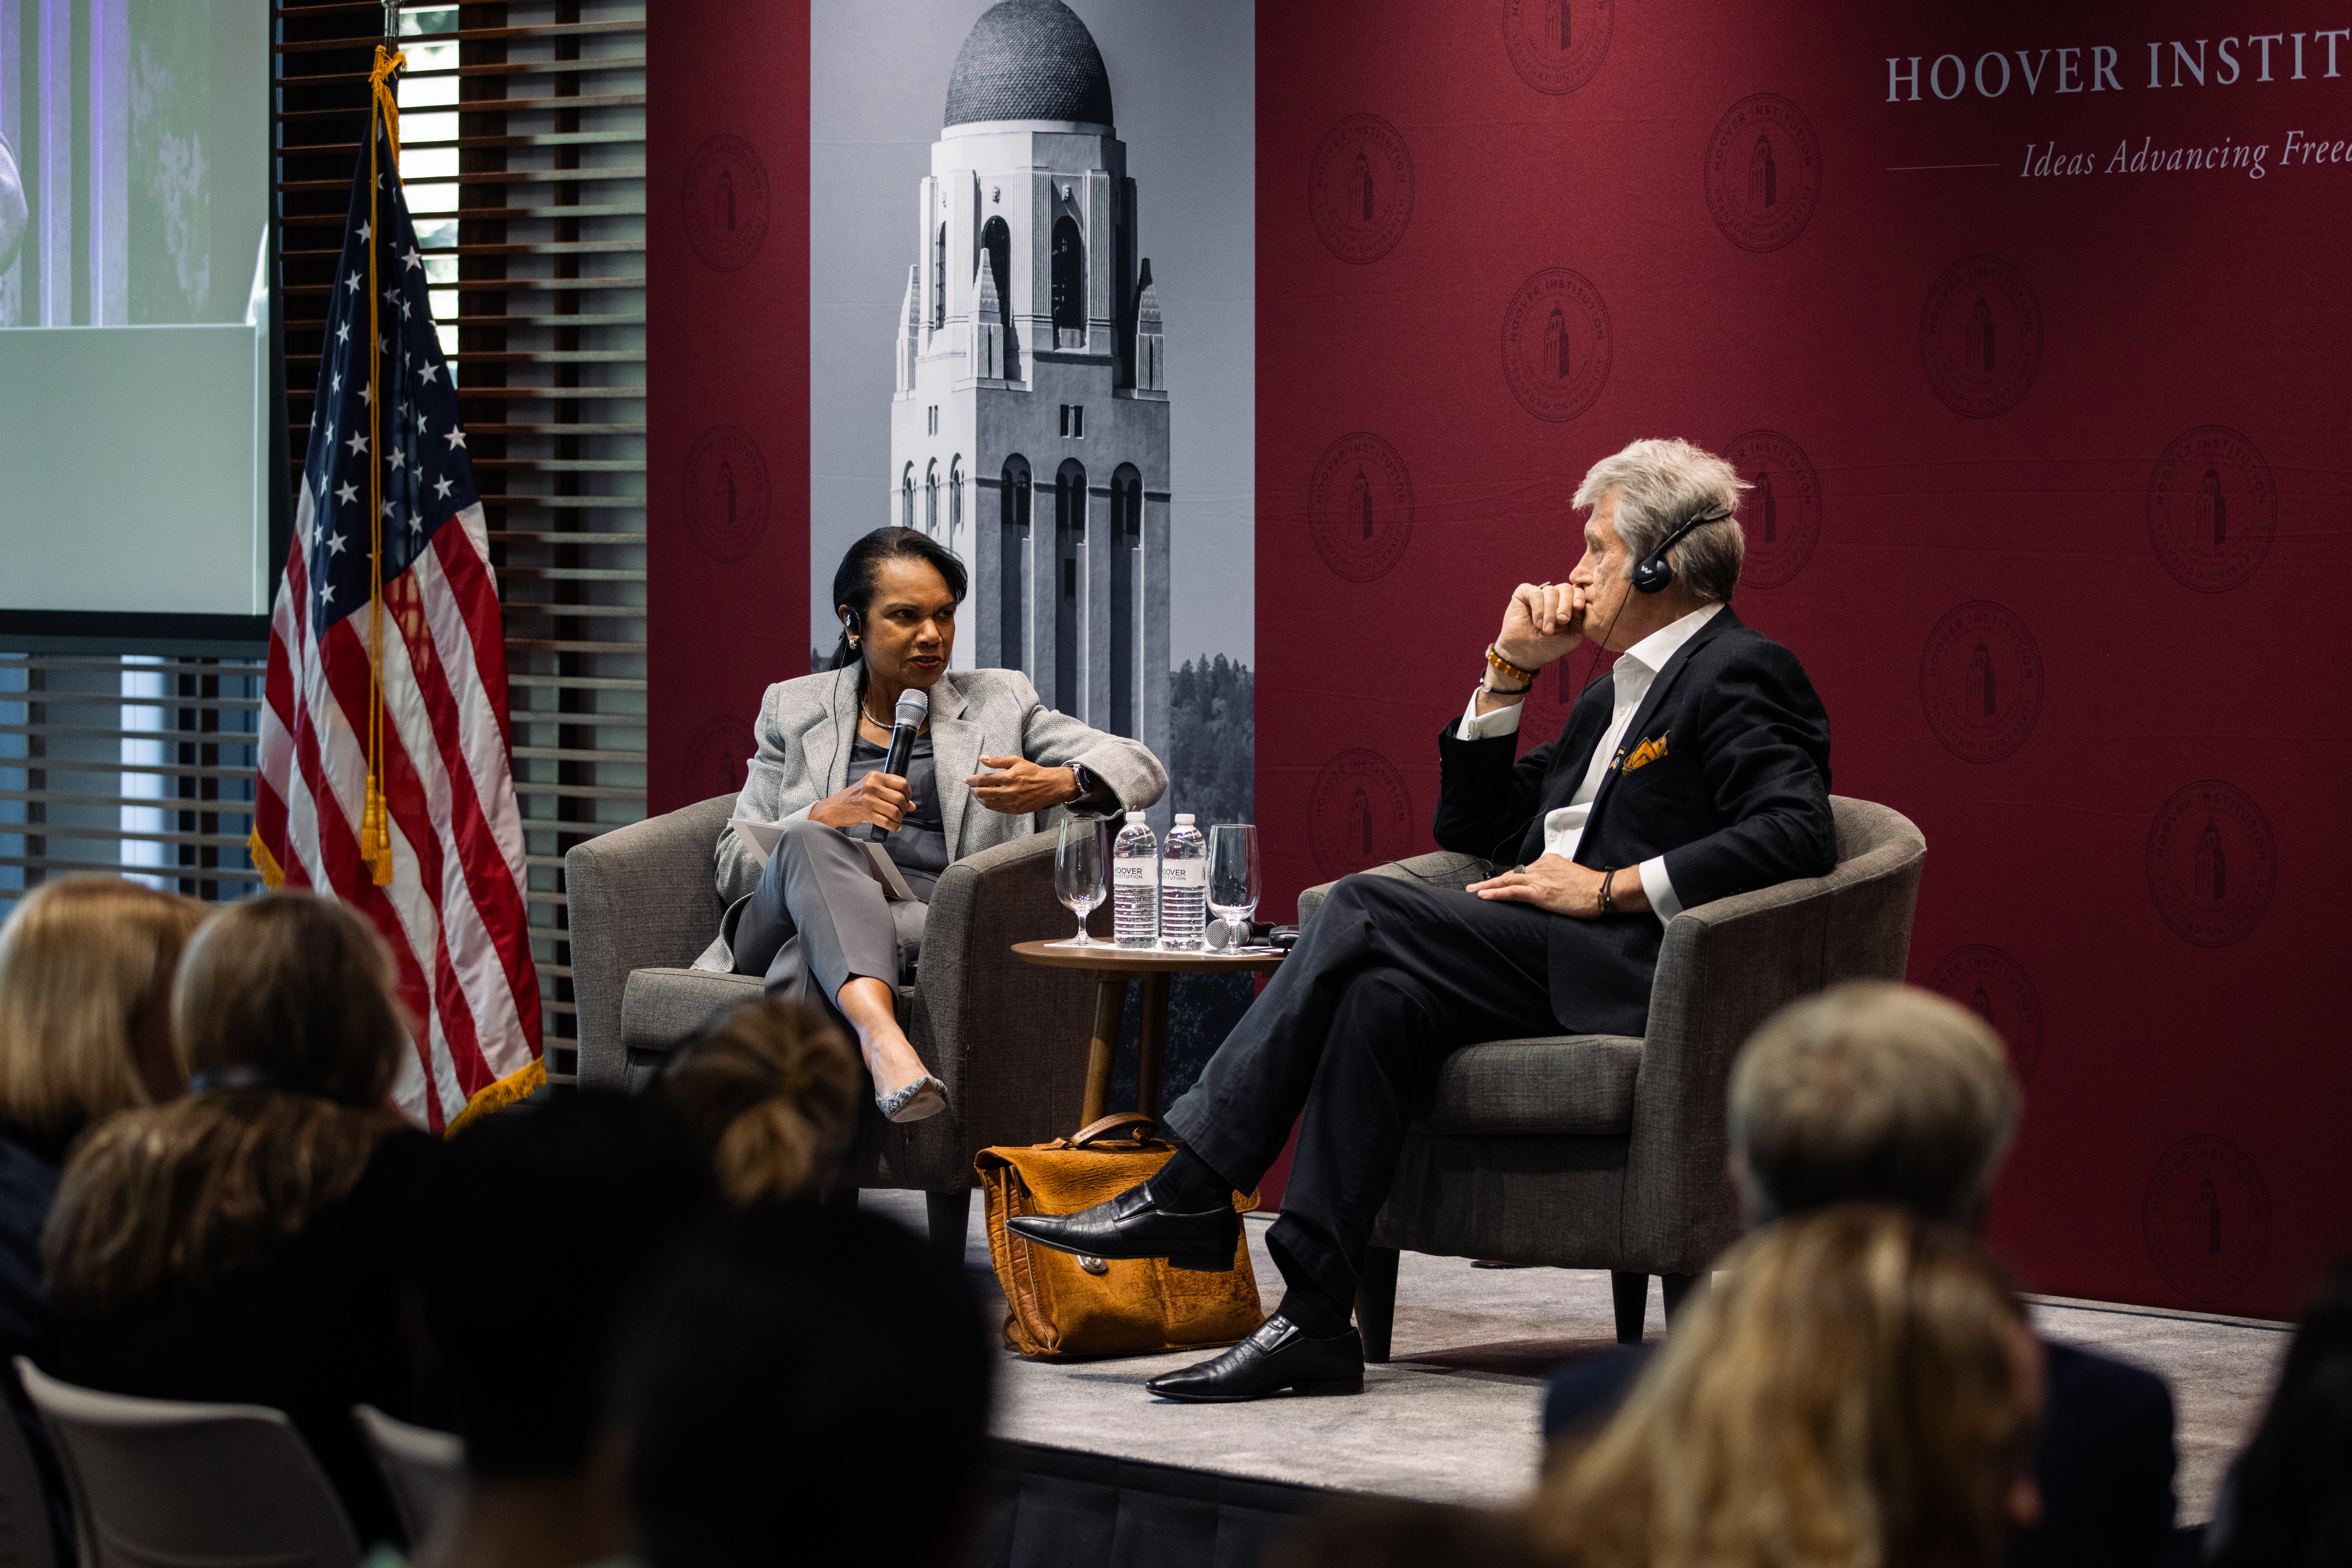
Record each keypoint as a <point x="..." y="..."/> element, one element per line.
<point x="384" y="106"/>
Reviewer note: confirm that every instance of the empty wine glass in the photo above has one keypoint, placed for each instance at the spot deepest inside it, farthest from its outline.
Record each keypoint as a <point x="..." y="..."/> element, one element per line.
<point x="1079" y="857"/>
<point x="1233" y="881"/>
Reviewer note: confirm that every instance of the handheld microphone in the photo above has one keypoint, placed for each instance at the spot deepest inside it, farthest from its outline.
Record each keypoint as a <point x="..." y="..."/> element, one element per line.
<point x="914" y="707"/>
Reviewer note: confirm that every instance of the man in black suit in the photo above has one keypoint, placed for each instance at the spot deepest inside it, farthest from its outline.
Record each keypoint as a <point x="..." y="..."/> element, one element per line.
<point x="1880" y="1093"/>
<point x="1700" y="770"/>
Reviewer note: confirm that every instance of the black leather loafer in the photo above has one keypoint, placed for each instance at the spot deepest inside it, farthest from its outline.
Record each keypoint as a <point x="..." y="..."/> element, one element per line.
<point x="1278" y="1356"/>
<point x="1133" y="1224"/>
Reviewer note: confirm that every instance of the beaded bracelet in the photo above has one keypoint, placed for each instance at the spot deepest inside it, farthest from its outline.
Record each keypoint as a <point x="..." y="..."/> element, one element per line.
<point x="1505" y="666"/>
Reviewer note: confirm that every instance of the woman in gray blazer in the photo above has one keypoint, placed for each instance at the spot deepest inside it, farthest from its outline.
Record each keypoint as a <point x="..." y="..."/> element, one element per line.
<point x="992" y="764"/>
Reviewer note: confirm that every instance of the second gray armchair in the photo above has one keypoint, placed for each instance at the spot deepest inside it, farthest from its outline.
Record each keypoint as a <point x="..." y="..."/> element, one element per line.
<point x="1009" y="1041"/>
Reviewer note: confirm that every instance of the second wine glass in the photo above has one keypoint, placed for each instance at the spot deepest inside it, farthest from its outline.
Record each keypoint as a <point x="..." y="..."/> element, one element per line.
<point x="1233" y="882"/>
<point x="1079" y="858"/>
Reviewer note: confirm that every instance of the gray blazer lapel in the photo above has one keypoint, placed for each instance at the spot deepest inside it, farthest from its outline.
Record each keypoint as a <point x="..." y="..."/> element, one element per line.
<point x="842" y="713"/>
<point x="956" y="745"/>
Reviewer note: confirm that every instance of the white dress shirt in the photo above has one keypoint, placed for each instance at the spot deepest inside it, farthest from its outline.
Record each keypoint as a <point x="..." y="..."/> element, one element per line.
<point x="1636" y="670"/>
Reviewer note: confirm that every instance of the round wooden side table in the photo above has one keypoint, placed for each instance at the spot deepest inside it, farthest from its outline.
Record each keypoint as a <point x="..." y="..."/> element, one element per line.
<point x="1113" y="967"/>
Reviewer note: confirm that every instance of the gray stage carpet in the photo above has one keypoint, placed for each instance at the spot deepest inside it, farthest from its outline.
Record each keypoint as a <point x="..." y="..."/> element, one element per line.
<point x="1454" y="1417"/>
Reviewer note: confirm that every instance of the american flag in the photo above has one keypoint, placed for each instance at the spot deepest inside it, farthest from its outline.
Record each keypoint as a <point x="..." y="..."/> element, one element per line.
<point x="400" y="485"/>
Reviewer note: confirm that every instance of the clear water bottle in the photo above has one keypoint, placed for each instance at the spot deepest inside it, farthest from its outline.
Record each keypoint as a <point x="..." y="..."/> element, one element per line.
<point x="1135" y="883"/>
<point x="1184" y="886"/>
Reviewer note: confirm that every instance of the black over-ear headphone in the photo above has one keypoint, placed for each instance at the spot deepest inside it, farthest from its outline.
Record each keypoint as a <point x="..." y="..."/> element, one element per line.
<point x="1656" y="573"/>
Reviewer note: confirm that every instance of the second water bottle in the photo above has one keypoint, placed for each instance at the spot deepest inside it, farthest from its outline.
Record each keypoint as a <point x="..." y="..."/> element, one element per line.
<point x="1184" y="886"/>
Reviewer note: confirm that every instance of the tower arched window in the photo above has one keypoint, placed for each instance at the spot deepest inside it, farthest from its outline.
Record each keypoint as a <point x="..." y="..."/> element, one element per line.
<point x="932" y="500"/>
<point x="955" y="506"/>
<point x="938" y="278"/>
<point x="1069" y="280"/>
<point x="996" y="239"/>
<point x="1127" y="659"/>
<point x="1069" y="595"/>
<point x="907" y="496"/>
<point x="1015" y="566"/>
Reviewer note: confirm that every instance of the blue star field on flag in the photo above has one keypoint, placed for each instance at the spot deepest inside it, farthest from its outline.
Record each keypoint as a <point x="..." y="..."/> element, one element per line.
<point x="428" y="476"/>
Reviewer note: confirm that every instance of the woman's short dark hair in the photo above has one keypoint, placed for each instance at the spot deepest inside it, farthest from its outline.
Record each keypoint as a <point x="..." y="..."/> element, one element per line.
<point x="852" y="581"/>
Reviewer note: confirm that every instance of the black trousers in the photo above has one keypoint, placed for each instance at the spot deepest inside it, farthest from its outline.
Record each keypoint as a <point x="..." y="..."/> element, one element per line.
<point x="1390" y="978"/>
<point x="818" y="918"/>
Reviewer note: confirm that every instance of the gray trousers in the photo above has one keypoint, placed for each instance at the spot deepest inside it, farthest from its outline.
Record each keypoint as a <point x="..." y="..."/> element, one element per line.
<point x="818" y="919"/>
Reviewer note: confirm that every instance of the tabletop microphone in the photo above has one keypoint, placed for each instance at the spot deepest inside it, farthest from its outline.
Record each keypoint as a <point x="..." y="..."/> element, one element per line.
<point x="914" y="707"/>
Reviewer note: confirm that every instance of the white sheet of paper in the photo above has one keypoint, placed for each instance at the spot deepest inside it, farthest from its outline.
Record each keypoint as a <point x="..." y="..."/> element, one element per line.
<point x="759" y="838"/>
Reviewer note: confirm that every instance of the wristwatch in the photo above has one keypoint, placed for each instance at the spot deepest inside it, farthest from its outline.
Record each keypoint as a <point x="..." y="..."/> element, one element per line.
<point x="1086" y="782"/>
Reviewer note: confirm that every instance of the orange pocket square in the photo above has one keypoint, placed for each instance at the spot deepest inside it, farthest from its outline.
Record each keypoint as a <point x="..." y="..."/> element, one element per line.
<point x="1648" y="752"/>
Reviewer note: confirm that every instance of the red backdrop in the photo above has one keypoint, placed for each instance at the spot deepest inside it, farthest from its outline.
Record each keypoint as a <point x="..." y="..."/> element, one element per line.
<point x="726" y="381"/>
<point x="2058" y="483"/>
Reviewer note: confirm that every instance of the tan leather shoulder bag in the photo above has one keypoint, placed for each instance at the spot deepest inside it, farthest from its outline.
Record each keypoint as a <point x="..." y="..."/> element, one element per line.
<point x="1057" y="1304"/>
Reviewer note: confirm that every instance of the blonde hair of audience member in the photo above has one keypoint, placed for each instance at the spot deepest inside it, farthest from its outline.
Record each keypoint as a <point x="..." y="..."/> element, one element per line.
<point x="1859" y="1387"/>
<point x="285" y="1014"/>
<point x="85" y="986"/>
<point x="770" y="1094"/>
<point x="1875" y="1092"/>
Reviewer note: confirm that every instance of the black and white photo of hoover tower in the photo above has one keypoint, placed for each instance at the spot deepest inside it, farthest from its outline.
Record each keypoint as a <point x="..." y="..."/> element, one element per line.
<point x="1029" y="426"/>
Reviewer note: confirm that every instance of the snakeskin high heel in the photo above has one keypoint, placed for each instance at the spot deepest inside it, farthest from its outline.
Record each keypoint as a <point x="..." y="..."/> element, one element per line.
<point x="926" y="1096"/>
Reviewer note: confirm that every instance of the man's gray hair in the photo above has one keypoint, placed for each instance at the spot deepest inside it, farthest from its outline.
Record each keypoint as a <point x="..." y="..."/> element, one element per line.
<point x="1662" y="484"/>
<point x="1870" y="1093"/>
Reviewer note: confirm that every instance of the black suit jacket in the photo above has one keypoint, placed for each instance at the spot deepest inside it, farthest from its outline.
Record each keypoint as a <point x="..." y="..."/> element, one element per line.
<point x="1725" y="771"/>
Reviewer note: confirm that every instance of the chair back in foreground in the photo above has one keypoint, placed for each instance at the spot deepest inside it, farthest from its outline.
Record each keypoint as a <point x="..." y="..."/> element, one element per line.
<point x="157" y="1483"/>
<point x="423" y="1470"/>
<point x="24" y="1510"/>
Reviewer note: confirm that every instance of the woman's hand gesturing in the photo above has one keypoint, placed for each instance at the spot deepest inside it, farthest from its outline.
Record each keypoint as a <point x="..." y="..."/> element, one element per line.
<point x="880" y="798"/>
<point x="1020" y="786"/>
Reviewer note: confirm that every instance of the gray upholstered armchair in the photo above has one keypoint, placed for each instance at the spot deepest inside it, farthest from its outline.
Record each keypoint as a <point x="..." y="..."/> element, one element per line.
<point x="1009" y="1041"/>
<point x="1601" y="1151"/>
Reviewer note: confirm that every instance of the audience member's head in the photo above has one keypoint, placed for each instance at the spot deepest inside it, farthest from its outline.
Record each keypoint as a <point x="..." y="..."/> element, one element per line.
<point x="1870" y="1093"/>
<point x="1391" y="1533"/>
<point x="808" y="1374"/>
<point x="2288" y="1499"/>
<point x="294" y="993"/>
<point x="770" y="1095"/>
<point x="546" y="1220"/>
<point x="1858" y="1386"/>
<point x="285" y="1014"/>
<point x="86" y="968"/>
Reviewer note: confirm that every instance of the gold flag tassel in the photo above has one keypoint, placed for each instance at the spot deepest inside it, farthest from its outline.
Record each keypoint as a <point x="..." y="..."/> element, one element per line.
<point x="375" y="823"/>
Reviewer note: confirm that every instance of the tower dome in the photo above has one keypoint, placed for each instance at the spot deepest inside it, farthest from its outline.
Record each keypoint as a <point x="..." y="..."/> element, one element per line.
<point x="1029" y="59"/>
